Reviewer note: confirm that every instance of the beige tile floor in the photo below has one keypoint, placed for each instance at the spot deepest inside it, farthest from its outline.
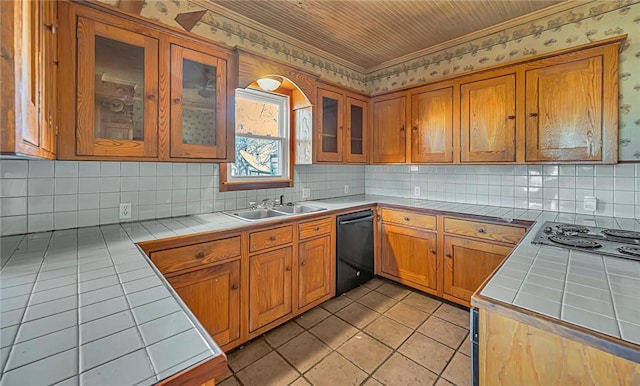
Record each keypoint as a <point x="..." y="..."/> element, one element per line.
<point x="378" y="334"/>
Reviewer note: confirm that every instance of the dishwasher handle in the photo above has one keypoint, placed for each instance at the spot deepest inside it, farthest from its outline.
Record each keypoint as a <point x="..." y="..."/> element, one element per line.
<point x="359" y="219"/>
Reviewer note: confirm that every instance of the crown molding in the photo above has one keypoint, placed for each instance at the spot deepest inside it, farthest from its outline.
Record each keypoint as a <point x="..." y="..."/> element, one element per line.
<point x="224" y="12"/>
<point x="530" y="17"/>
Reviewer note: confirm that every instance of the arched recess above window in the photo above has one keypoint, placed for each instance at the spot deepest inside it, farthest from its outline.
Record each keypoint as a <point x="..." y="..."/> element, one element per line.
<point x="273" y="132"/>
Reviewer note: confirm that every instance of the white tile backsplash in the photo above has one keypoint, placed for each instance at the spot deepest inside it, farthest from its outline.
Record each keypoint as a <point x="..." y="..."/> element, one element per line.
<point x="45" y="195"/>
<point x="548" y="187"/>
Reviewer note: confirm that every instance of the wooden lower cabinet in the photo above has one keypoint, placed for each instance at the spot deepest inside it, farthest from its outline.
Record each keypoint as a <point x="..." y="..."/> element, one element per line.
<point x="270" y="280"/>
<point x="314" y="270"/>
<point x="409" y="256"/>
<point x="516" y="353"/>
<point x="467" y="264"/>
<point x="213" y="296"/>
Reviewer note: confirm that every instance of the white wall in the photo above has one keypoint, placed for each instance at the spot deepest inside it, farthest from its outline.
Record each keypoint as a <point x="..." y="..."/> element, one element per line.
<point x="44" y="195"/>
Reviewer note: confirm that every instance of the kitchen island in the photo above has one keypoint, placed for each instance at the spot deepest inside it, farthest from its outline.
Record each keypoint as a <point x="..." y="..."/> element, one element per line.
<point x="66" y="293"/>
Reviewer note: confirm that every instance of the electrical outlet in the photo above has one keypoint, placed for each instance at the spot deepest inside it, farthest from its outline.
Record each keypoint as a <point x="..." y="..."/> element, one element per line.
<point x="125" y="210"/>
<point x="414" y="168"/>
<point x="416" y="191"/>
<point x="590" y="203"/>
<point x="346" y="189"/>
<point x="306" y="193"/>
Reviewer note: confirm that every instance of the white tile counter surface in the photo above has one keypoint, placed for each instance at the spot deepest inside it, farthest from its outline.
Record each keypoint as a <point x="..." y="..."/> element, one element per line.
<point x="85" y="306"/>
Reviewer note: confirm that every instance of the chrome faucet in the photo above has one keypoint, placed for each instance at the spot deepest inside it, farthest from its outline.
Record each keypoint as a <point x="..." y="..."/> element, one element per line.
<point x="267" y="203"/>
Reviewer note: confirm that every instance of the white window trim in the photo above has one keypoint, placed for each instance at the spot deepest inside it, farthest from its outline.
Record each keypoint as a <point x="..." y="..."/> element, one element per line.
<point x="284" y="128"/>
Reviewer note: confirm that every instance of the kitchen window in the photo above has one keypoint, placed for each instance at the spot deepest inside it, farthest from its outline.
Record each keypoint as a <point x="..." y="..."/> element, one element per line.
<point x="262" y="147"/>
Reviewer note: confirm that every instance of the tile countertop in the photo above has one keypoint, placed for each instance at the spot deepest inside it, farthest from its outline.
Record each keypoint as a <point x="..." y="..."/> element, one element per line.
<point x="86" y="306"/>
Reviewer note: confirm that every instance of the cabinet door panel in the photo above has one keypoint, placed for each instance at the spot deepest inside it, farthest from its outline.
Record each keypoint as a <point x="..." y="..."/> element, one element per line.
<point x="198" y="104"/>
<point x="117" y="96"/>
<point x="388" y="132"/>
<point x="315" y="277"/>
<point x="488" y="120"/>
<point x="357" y="130"/>
<point x="409" y="255"/>
<point x="270" y="287"/>
<point x="564" y="111"/>
<point x="432" y="126"/>
<point x="468" y="263"/>
<point x="213" y="295"/>
<point x="330" y="125"/>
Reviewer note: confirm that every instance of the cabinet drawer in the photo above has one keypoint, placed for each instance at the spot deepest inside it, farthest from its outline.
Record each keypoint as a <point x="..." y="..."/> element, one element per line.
<point x="483" y="230"/>
<point x="270" y="238"/>
<point x="425" y="221"/>
<point x="314" y="228"/>
<point x="171" y="260"/>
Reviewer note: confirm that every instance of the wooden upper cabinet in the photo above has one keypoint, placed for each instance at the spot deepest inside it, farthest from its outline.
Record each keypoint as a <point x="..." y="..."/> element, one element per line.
<point x="117" y="92"/>
<point x="388" y="131"/>
<point x="329" y="137"/>
<point x="140" y="92"/>
<point x="28" y="110"/>
<point x="357" y="134"/>
<point x="488" y="119"/>
<point x="568" y="107"/>
<point x="341" y="126"/>
<point x="432" y="126"/>
<point x="198" y="104"/>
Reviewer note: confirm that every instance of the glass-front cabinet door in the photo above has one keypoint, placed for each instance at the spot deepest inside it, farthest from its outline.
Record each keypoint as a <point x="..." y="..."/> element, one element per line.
<point x="356" y="138"/>
<point x="329" y="133"/>
<point x="117" y="92"/>
<point x="198" y="104"/>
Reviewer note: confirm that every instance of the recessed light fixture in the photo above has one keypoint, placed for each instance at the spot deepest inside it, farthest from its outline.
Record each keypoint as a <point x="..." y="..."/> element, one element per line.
<point x="269" y="83"/>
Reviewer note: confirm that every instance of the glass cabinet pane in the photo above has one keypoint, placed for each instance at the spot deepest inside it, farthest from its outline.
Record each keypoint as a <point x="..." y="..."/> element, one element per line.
<point x="329" y="125"/>
<point x="119" y="90"/>
<point x="357" y="116"/>
<point x="198" y="103"/>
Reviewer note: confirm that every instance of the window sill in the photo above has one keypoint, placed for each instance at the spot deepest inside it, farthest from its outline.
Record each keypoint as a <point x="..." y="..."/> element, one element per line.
<point x="252" y="185"/>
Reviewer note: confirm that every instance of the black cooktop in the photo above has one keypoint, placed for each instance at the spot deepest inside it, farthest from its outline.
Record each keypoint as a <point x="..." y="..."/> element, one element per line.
<point x="611" y="242"/>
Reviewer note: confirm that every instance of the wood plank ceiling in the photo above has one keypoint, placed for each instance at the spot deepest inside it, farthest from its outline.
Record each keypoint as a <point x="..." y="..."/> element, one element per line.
<point x="370" y="32"/>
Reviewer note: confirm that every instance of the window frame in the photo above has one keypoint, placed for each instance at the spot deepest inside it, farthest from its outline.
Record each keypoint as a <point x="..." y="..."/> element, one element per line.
<point x="249" y="183"/>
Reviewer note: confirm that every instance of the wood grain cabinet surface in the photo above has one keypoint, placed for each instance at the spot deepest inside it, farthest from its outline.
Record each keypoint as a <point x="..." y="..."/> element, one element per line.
<point x="270" y="287"/>
<point x="467" y="264"/>
<point x="342" y="126"/>
<point x="409" y="256"/>
<point x="28" y="112"/>
<point x="388" y="131"/>
<point x="488" y="119"/>
<point x="137" y="91"/>
<point x="432" y="125"/>
<point x="570" y="108"/>
<point x="315" y="277"/>
<point x="213" y="295"/>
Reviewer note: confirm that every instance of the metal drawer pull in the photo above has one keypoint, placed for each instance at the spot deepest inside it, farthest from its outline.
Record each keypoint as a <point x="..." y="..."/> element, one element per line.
<point x="481" y="230"/>
<point x="407" y="219"/>
<point x="199" y="255"/>
<point x="316" y="229"/>
<point x="272" y="238"/>
<point x="288" y="268"/>
<point x="234" y="287"/>
<point x="432" y="251"/>
<point x="303" y="263"/>
<point x="448" y="255"/>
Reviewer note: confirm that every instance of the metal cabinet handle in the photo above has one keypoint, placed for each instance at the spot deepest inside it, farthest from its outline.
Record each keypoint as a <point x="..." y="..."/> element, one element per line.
<point x="303" y="263"/>
<point x="511" y="117"/>
<point x="481" y="230"/>
<point x="316" y="229"/>
<point x="288" y="268"/>
<point x="200" y="255"/>
<point x="151" y="97"/>
<point x="533" y="114"/>
<point x="272" y="238"/>
<point x="234" y="287"/>
<point x="448" y="255"/>
<point x="432" y="251"/>
<point x="414" y="128"/>
<point x="407" y="219"/>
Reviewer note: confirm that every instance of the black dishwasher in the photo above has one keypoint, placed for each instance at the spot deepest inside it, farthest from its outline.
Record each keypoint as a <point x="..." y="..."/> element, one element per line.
<point x="354" y="250"/>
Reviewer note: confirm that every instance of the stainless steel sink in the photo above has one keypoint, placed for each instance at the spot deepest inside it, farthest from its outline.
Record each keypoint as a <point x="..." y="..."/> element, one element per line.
<point x="298" y="209"/>
<point x="284" y="210"/>
<point x="256" y="214"/>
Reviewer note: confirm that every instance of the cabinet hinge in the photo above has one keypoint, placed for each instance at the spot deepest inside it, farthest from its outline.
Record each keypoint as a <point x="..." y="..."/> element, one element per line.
<point x="56" y="131"/>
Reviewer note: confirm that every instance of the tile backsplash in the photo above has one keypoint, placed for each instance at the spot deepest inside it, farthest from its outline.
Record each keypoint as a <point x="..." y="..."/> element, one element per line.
<point x="550" y="187"/>
<point x="44" y="195"/>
